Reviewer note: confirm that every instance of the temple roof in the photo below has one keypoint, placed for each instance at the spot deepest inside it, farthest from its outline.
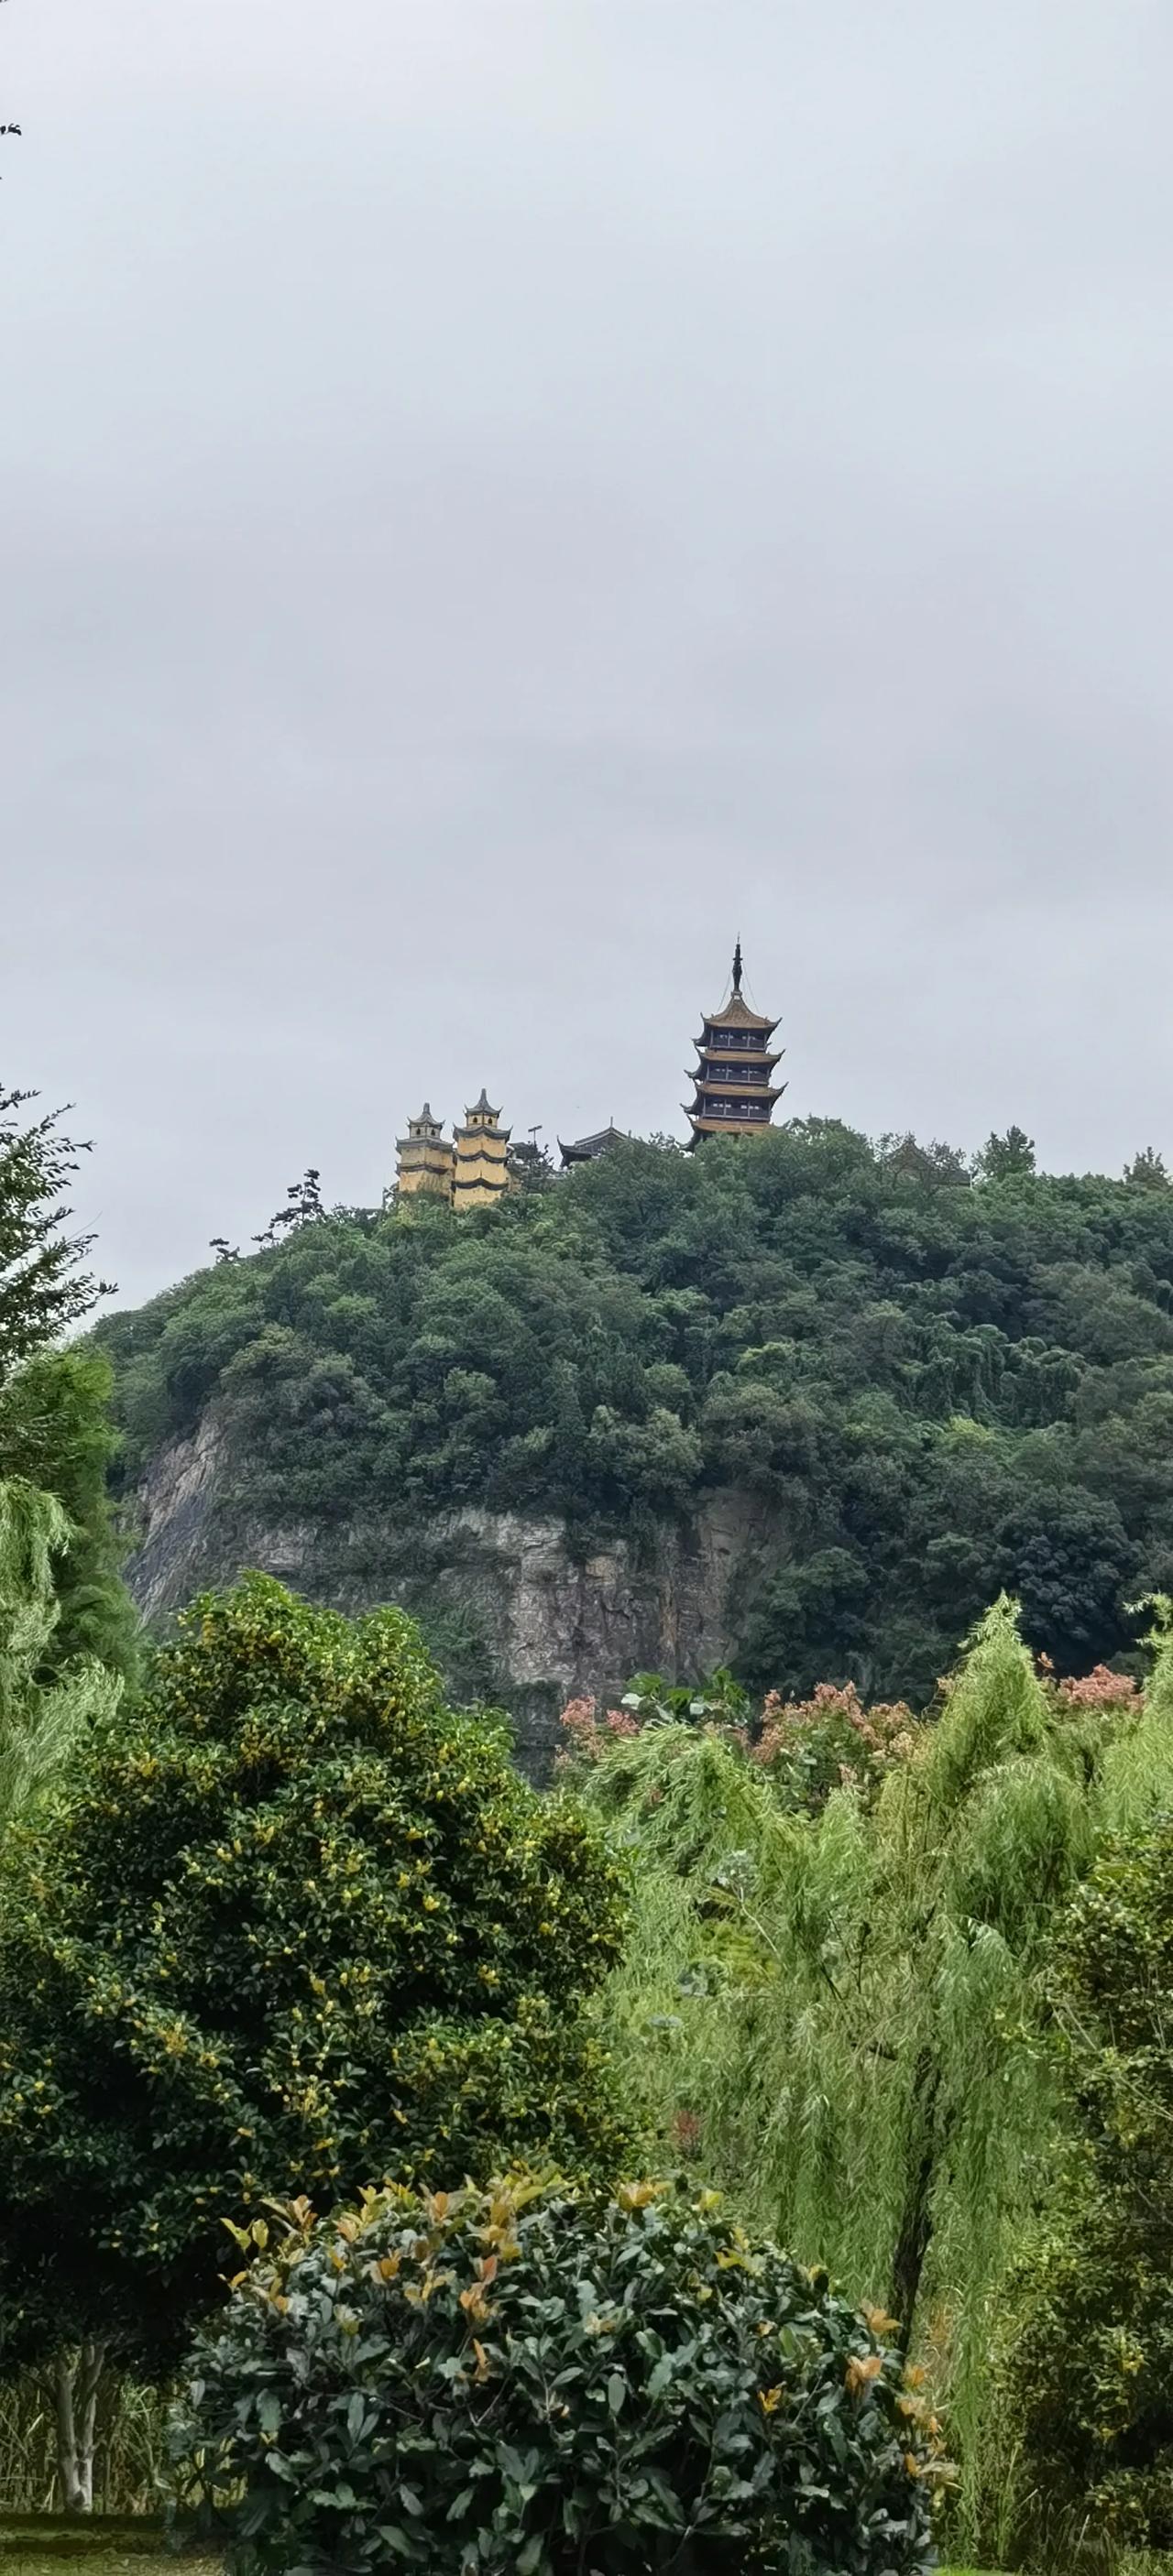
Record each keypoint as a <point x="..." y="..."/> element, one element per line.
<point x="738" y="1015"/>
<point x="585" y="1148"/>
<point x="482" y="1108"/>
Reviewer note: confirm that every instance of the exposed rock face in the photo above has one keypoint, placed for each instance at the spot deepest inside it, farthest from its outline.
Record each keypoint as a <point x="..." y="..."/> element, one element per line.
<point x="513" y="1615"/>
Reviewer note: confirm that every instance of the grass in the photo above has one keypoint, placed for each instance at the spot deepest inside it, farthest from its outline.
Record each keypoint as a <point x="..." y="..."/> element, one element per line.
<point x="113" y="2562"/>
<point x="45" y="2544"/>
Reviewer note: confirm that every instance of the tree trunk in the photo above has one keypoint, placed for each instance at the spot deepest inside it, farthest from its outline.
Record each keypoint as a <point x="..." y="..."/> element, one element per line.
<point x="77" y="2377"/>
<point x="916" y="2217"/>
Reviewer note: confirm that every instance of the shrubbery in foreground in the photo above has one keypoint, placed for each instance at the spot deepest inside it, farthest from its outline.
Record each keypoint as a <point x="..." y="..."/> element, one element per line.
<point x="522" y="2380"/>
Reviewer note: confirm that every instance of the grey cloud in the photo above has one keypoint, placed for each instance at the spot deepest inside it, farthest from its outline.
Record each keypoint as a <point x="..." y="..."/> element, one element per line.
<point x="498" y="497"/>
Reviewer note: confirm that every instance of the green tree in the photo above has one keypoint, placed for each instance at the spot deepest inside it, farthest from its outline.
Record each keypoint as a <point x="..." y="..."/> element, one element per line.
<point x="1007" y="1158"/>
<point x="1088" y="2372"/>
<point x="921" y="1385"/>
<point x="41" y="1719"/>
<point x="836" y="2013"/>
<point x="56" y="1433"/>
<point x="43" y="1287"/>
<point x="1147" y="1170"/>
<point x="296" y="1926"/>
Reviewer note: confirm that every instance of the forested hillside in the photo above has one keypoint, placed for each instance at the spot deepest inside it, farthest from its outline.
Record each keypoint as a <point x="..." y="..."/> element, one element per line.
<point x="941" y="1385"/>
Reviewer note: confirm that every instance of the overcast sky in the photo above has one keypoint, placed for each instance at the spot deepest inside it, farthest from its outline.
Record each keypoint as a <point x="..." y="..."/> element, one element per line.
<point x="500" y="496"/>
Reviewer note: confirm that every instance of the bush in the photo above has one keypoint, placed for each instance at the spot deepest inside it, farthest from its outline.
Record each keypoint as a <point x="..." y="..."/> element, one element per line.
<point x="523" y="2379"/>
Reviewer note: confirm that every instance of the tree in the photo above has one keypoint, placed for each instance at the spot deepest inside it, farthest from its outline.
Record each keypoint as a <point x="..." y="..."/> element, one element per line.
<point x="890" y="1372"/>
<point x="1087" y="2371"/>
<point x="836" y="2013"/>
<point x="1147" y="1171"/>
<point x="43" y="1288"/>
<point x="40" y="1720"/>
<point x="296" y="1927"/>
<point x="1007" y="1158"/>
<point x="56" y="1434"/>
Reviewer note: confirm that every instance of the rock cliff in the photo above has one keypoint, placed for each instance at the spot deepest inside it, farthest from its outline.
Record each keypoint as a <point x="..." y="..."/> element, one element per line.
<point x="513" y="1614"/>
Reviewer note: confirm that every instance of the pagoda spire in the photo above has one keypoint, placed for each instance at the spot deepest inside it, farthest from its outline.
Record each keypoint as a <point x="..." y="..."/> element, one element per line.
<point x="734" y="1074"/>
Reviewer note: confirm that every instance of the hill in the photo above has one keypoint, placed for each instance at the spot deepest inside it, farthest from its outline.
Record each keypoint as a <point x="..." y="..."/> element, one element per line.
<point x="804" y="1402"/>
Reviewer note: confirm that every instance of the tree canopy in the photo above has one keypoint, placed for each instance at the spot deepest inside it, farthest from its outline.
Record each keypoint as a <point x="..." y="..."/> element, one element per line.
<point x="932" y="1387"/>
<point x="293" y="1926"/>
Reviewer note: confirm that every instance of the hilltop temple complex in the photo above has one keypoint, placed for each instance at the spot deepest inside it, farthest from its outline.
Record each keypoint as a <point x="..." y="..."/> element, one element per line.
<point x="734" y="1095"/>
<point x="474" y="1170"/>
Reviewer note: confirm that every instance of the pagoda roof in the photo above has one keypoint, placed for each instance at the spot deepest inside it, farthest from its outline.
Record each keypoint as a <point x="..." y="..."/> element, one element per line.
<point x="485" y="1135"/>
<point x="724" y="1057"/>
<point x="482" y="1108"/>
<point x="737" y="1015"/>
<point x="585" y="1148"/>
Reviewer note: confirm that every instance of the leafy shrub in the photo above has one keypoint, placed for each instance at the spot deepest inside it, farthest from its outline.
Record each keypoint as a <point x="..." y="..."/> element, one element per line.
<point x="519" y="2379"/>
<point x="810" y="1747"/>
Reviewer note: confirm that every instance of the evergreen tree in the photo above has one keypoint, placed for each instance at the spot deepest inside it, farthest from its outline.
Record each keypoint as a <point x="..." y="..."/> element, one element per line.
<point x="43" y="1287"/>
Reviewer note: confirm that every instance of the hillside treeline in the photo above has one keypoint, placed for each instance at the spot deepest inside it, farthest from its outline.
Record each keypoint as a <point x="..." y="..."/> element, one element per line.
<point x="942" y="1385"/>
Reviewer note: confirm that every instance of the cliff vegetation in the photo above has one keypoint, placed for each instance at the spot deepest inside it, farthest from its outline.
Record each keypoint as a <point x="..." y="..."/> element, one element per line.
<point x="941" y="1382"/>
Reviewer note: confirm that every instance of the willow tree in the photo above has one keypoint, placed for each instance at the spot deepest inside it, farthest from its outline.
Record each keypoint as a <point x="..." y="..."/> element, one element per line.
<point x="39" y="1720"/>
<point x="836" y="2014"/>
<point x="40" y="1723"/>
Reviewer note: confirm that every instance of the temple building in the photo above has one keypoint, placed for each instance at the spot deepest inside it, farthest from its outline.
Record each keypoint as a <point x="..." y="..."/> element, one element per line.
<point x="424" y="1158"/>
<point x="735" y="1088"/>
<point x="482" y="1175"/>
<point x="588" y="1147"/>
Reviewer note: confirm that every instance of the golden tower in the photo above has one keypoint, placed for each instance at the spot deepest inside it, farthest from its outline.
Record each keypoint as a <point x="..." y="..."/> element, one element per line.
<point x="482" y="1175"/>
<point x="424" y="1159"/>
<point x="735" y="1090"/>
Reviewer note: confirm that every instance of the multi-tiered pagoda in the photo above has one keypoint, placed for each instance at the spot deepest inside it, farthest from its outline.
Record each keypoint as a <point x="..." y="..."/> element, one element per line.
<point x="735" y="1086"/>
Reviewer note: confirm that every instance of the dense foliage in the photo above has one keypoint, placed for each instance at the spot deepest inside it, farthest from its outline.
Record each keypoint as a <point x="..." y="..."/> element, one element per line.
<point x="475" y="2384"/>
<point x="1089" y="2371"/>
<point x="294" y="1926"/>
<point x="832" y="2001"/>
<point x="43" y="1711"/>
<point x="934" y="1387"/>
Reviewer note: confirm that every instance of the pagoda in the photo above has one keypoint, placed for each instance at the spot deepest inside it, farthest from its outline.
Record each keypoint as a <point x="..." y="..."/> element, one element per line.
<point x="424" y="1159"/>
<point x="735" y="1087"/>
<point x="482" y="1175"/>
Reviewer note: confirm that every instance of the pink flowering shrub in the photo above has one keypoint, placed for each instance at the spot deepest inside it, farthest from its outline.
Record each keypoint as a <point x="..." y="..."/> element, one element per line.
<point x="1100" y="1689"/>
<point x="587" y="1735"/>
<point x="807" y="1747"/>
<point x="830" y="1741"/>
